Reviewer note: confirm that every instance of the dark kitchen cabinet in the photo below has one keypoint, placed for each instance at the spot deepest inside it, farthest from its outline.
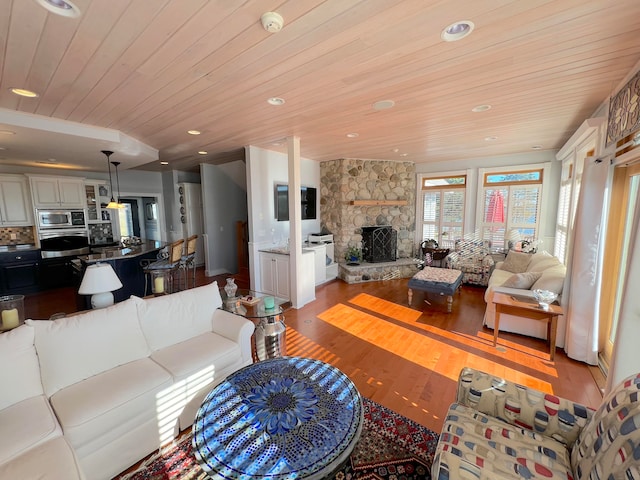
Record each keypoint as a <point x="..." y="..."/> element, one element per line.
<point x="56" y="272"/>
<point x="19" y="272"/>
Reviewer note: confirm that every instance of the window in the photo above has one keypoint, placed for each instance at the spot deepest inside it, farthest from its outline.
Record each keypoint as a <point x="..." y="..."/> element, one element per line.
<point x="511" y="207"/>
<point x="443" y="208"/>
<point x="564" y="209"/>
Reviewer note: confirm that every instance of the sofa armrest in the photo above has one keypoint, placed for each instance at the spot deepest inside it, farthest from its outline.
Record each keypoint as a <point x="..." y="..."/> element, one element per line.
<point x="236" y="328"/>
<point x="522" y="406"/>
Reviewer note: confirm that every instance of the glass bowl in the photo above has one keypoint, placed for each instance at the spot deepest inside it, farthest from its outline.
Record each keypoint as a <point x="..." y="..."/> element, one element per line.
<point x="544" y="298"/>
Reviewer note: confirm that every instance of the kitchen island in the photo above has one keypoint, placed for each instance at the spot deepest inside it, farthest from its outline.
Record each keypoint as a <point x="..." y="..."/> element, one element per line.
<point x="126" y="263"/>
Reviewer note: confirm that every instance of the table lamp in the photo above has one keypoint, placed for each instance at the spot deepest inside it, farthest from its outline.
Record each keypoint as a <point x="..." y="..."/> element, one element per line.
<point x="99" y="281"/>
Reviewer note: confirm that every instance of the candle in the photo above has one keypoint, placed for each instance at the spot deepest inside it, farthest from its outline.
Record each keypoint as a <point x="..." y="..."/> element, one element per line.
<point x="158" y="285"/>
<point x="10" y="319"/>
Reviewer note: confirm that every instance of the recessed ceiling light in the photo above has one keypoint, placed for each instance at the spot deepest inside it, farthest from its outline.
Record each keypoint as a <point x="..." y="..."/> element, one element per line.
<point x="48" y="161"/>
<point x="352" y="135"/>
<point x="202" y="152"/>
<point x="60" y="7"/>
<point x="536" y="147"/>
<point x="7" y="132"/>
<point x="383" y="104"/>
<point x="395" y="150"/>
<point x="164" y="163"/>
<point x="194" y="132"/>
<point x="277" y="101"/>
<point x="457" y="31"/>
<point x="2" y="148"/>
<point x="23" y="92"/>
<point x="490" y="139"/>
<point x="404" y="154"/>
<point x="481" y="108"/>
<point x="276" y="144"/>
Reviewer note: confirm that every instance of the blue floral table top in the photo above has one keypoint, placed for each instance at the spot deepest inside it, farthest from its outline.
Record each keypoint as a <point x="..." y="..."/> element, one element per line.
<point x="282" y="418"/>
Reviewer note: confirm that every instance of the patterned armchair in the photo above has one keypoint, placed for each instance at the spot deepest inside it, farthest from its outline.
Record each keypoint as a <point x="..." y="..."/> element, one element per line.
<point x="500" y="430"/>
<point x="473" y="258"/>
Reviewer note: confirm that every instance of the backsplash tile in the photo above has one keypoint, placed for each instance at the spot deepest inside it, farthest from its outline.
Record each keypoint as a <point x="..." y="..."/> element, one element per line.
<point x="22" y="235"/>
<point x="100" y="232"/>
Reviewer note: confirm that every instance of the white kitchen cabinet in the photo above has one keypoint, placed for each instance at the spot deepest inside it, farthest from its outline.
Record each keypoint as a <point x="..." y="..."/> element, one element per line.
<point x="15" y="204"/>
<point x="320" y="255"/>
<point x="274" y="274"/>
<point x="57" y="192"/>
<point x="97" y="195"/>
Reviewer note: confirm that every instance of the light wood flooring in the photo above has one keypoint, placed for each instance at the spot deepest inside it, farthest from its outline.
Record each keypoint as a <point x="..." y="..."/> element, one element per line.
<point x="407" y="359"/>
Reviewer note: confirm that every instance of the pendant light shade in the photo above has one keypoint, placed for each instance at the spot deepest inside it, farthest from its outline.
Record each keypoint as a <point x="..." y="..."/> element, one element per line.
<point x="112" y="202"/>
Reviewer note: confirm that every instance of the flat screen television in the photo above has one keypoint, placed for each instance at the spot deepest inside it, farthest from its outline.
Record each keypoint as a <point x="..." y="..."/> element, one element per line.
<point x="308" y="199"/>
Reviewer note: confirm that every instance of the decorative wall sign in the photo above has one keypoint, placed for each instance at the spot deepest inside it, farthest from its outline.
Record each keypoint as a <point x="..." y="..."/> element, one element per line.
<point x="624" y="111"/>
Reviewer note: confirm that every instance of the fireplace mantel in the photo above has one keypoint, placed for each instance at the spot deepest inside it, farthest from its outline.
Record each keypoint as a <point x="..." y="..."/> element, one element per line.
<point x="378" y="202"/>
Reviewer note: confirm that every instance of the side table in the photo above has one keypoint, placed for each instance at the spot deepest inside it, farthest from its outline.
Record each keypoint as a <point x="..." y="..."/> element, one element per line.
<point x="508" y="304"/>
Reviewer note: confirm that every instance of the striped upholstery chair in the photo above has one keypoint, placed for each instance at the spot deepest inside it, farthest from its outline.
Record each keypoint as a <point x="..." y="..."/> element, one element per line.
<point x="501" y="430"/>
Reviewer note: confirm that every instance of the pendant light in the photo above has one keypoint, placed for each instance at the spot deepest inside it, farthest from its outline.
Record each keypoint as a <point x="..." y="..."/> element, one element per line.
<point x="115" y="164"/>
<point x="112" y="203"/>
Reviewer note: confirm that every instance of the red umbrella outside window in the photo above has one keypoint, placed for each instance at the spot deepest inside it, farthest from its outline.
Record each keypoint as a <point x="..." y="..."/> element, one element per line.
<point x="495" y="210"/>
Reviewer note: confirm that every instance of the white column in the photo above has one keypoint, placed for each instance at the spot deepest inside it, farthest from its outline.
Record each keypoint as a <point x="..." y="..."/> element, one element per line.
<point x="295" y="221"/>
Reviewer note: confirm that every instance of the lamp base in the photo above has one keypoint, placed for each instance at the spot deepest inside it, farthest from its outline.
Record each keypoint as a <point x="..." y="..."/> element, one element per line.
<point x="101" y="300"/>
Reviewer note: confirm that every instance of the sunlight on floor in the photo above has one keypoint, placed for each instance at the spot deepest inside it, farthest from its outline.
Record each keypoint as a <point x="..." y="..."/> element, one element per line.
<point x="395" y="328"/>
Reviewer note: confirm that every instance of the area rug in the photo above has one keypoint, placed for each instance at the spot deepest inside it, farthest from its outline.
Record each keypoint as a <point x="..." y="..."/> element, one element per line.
<point x="390" y="447"/>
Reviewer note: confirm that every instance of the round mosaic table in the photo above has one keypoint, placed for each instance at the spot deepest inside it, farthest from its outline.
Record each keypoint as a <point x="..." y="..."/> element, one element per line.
<point x="282" y="418"/>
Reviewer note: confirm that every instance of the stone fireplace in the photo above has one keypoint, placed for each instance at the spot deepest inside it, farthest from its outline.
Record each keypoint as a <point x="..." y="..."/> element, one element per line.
<point x="356" y="195"/>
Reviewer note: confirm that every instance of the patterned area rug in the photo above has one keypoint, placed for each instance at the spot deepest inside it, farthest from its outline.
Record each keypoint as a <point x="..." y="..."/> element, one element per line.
<point x="390" y="447"/>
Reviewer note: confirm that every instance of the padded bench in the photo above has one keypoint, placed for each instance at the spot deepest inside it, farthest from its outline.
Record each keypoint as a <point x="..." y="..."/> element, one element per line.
<point x="444" y="281"/>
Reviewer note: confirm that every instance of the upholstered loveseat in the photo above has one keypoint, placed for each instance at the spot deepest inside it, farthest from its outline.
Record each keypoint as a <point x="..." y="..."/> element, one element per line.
<point x="498" y="430"/>
<point x="88" y="395"/>
<point x="519" y="275"/>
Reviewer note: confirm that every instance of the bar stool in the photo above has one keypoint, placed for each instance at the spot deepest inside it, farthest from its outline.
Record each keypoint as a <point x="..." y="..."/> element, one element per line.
<point x="188" y="260"/>
<point x="168" y="265"/>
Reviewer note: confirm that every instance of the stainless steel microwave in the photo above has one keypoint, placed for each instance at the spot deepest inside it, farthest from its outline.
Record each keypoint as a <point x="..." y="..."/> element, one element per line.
<point x="50" y="219"/>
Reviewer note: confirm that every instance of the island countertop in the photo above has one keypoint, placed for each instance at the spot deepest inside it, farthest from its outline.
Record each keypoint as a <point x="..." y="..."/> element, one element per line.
<point x="121" y="253"/>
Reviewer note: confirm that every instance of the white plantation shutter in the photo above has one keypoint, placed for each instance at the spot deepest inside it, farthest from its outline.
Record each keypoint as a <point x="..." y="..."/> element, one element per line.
<point x="562" y="220"/>
<point x="443" y="210"/>
<point x="524" y="208"/>
<point x="431" y="214"/>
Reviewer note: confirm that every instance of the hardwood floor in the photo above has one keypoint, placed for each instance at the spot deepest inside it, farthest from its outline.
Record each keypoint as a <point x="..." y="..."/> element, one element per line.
<point x="407" y="359"/>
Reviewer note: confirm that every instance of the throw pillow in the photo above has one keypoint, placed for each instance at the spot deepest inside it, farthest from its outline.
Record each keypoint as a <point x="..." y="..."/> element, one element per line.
<point x="516" y="262"/>
<point x="522" y="280"/>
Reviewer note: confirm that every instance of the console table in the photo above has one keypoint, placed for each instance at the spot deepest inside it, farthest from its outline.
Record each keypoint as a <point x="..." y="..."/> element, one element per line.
<point x="283" y="418"/>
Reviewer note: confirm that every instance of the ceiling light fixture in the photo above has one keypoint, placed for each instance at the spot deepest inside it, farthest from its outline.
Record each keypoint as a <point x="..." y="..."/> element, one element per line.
<point x="481" y="108"/>
<point x="404" y="154"/>
<point x="24" y="92"/>
<point x="112" y="203"/>
<point x="60" y="7"/>
<point x="164" y="163"/>
<point x="395" y="150"/>
<point x="202" y="152"/>
<point x="7" y="132"/>
<point x="272" y="22"/>
<point x="353" y="135"/>
<point x="194" y="132"/>
<point x="457" y="31"/>
<point x="490" y="139"/>
<point x="383" y="104"/>
<point x="277" y="101"/>
<point x="536" y="147"/>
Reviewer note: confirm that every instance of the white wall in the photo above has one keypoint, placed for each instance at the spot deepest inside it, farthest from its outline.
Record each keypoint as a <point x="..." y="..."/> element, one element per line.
<point x="265" y="169"/>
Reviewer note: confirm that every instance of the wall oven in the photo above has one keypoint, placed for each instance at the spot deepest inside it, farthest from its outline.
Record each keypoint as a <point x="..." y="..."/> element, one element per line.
<point x="58" y="248"/>
<point x="60" y="219"/>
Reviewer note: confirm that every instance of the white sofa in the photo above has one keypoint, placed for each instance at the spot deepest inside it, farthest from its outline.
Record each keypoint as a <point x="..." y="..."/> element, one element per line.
<point x="547" y="273"/>
<point x="88" y="395"/>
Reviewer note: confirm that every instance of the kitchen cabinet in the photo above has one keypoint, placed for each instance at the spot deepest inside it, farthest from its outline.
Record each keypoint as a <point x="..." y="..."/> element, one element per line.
<point x="97" y="195"/>
<point x="274" y="274"/>
<point x="15" y="204"/>
<point x="57" y="192"/>
<point x="19" y="272"/>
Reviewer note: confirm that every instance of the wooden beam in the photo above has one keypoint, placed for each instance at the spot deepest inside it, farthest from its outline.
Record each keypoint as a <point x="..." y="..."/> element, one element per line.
<point x="378" y="202"/>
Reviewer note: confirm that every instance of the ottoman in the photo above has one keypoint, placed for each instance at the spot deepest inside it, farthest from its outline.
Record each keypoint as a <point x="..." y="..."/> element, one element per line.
<point x="444" y="281"/>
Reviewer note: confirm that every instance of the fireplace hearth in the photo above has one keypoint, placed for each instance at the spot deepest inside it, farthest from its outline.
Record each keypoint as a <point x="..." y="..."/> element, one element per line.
<point x="379" y="244"/>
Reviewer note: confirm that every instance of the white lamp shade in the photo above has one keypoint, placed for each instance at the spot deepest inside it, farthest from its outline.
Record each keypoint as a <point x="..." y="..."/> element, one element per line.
<point x="99" y="278"/>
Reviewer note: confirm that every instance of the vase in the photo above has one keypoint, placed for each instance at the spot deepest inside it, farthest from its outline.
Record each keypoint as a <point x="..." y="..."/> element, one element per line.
<point x="231" y="288"/>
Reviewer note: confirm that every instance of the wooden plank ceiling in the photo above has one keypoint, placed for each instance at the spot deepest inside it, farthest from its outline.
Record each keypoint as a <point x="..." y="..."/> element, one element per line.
<point x="154" y="69"/>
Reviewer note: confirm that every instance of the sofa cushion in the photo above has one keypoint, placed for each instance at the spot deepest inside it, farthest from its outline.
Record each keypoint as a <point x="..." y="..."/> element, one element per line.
<point x="174" y="318"/>
<point x="74" y="348"/>
<point x="552" y="279"/>
<point x="541" y="261"/>
<point x="52" y="460"/>
<point x="90" y="409"/>
<point x="207" y="352"/>
<point x="19" y="369"/>
<point x="476" y="445"/>
<point x="522" y="280"/>
<point x="516" y="262"/>
<point x="24" y="425"/>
